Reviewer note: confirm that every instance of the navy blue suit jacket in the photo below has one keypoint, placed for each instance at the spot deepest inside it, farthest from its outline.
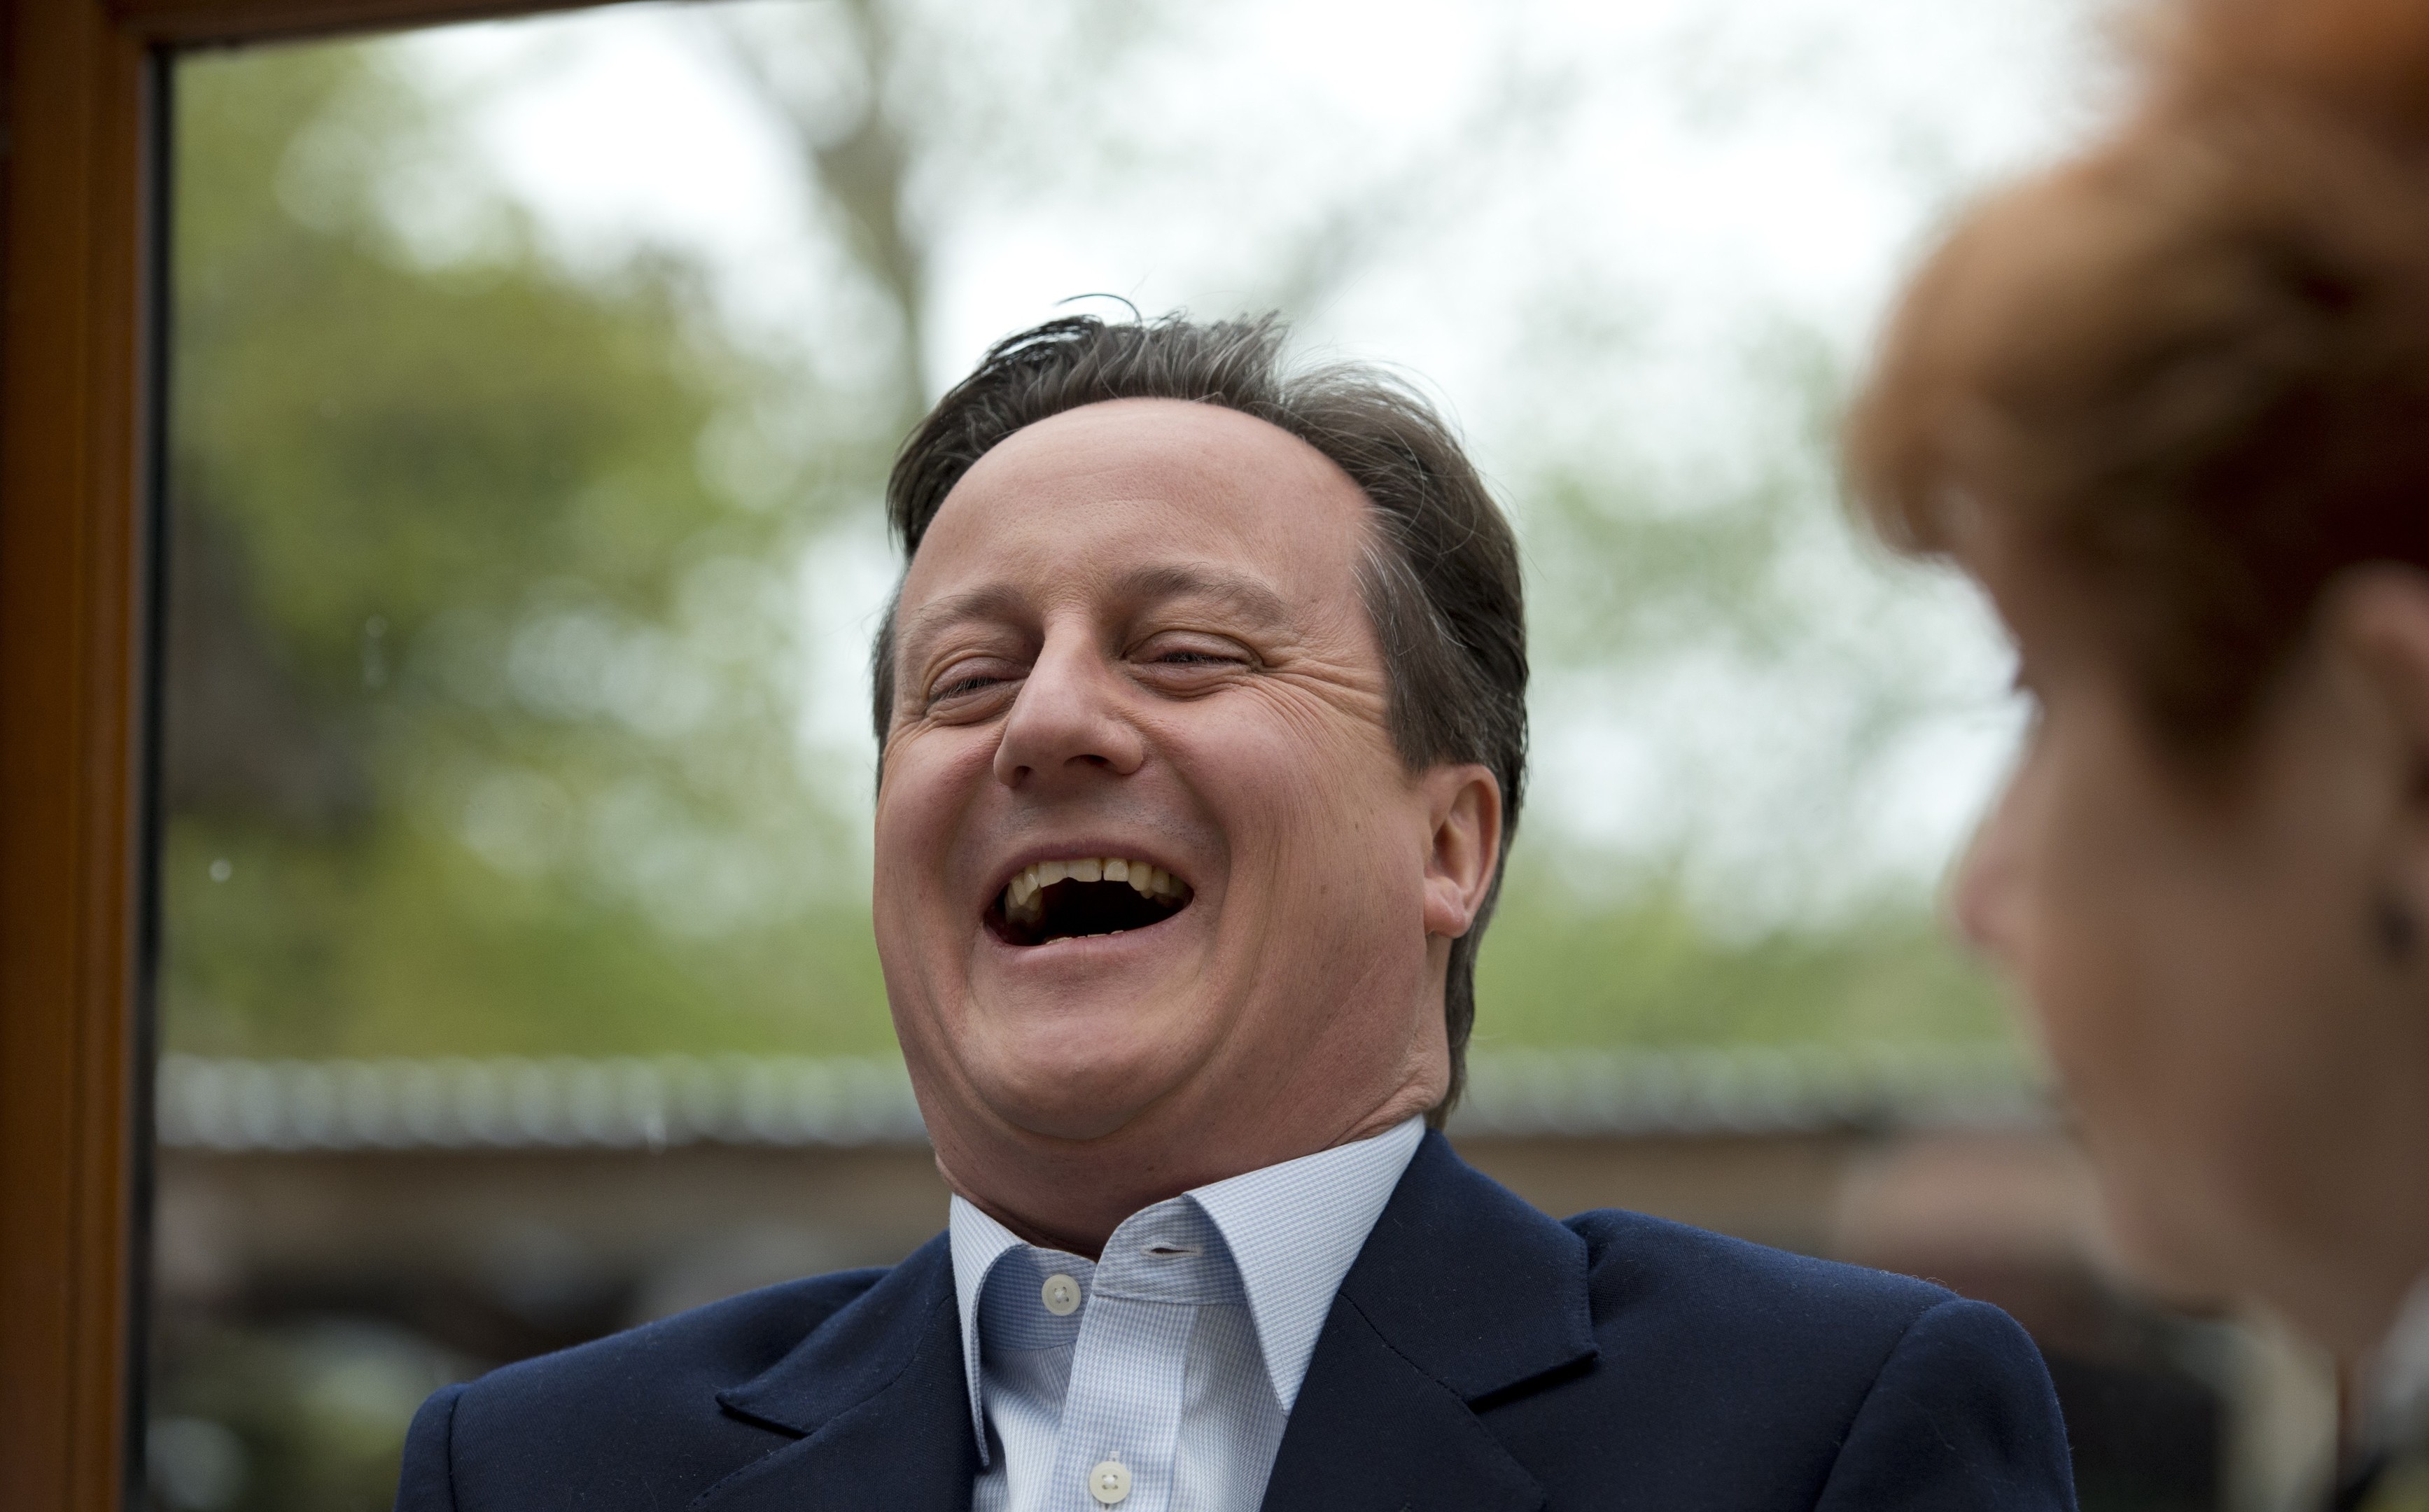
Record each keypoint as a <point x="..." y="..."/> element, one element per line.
<point x="1479" y="1357"/>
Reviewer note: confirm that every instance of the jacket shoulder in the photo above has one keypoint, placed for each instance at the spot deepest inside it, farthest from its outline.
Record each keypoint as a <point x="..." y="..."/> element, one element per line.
<point x="1705" y="1281"/>
<point x="632" y="1417"/>
<point x="720" y="1342"/>
<point x="1728" y="1374"/>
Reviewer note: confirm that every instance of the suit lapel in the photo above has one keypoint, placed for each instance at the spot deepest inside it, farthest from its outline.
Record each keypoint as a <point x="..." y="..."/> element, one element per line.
<point x="1462" y="1293"/>
<point x="875" y="1400"/>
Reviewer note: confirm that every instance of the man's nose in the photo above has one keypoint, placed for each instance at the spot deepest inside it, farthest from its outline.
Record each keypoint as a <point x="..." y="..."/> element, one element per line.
<point x="1067" y="717"/>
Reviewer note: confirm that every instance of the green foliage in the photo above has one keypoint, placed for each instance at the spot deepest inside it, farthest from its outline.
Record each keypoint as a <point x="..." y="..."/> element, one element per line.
<point x="470" y="540"/>
<point x="401" y="942"/>
<point x="1650" y="971"/>
<point x="399" y="441"/>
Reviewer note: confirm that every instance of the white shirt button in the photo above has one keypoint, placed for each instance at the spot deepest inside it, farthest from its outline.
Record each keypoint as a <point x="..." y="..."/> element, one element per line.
<point x="1062" y="1296"/>
<point x="1109" y="1480"/>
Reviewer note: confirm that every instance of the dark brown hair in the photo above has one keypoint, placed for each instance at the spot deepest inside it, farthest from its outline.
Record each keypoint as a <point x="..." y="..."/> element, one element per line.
<point x="2192" y="363"/>
<point x="1440" y="575"/>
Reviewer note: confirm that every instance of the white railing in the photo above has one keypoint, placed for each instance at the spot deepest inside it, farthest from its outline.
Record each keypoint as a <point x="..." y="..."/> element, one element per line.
<point x="532" y="1104"/>
<point x="655" y="1102"/>
<point x="1744" y="1090"/>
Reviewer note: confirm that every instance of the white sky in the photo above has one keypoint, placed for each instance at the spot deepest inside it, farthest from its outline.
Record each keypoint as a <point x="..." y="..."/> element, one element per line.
<point x="1590" y="217"/>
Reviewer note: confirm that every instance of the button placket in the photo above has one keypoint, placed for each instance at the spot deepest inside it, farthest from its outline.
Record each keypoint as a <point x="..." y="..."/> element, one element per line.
<point x="1120" y="1420"/>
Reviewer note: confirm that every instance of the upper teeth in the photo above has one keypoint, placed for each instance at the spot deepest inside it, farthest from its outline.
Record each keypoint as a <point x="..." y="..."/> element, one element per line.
<point x="1149" y="880"/>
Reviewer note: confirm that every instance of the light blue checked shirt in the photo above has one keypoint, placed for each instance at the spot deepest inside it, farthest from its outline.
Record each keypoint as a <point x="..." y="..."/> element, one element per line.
<point x="1159" y="1379"/>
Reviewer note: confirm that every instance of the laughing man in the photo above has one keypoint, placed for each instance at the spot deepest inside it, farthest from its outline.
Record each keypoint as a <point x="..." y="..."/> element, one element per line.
<point x="1201" y="714"/>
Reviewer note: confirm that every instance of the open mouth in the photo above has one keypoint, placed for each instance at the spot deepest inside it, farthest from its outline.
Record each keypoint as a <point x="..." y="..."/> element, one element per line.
<point x="1057" y="901"/>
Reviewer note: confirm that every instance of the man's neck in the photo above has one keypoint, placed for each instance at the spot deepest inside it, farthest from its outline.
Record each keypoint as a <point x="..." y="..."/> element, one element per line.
<point x="1070" y="1195"/>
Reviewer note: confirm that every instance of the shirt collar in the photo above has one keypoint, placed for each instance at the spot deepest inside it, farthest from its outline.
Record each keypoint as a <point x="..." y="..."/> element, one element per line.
<point x="1294" y="1230"/>
<point x="978" y="1243"/>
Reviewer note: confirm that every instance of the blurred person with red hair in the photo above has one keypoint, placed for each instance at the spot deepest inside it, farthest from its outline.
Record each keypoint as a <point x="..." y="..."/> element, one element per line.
<point x="2168" y="404"/>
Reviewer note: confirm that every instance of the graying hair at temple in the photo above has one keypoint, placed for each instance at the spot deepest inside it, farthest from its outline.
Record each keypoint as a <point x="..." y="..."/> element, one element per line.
<point x="1441" y="576"/>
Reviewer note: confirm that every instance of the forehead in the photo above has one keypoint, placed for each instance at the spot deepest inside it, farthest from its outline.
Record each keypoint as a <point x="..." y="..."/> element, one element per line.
<point x="1088" y="497"/>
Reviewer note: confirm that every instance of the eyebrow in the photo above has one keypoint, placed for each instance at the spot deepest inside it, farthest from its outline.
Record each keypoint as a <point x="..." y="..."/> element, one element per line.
<point x="996" y="600"/>
<point x="1241" y="591"/>
<point x="1182" y="579"/>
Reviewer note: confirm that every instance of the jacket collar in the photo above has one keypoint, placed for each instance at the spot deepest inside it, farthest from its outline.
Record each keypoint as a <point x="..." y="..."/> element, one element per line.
<point x="1463" y="1294"/>
<point x="1475" y="1286"/>
<point x="874" y="1398"/>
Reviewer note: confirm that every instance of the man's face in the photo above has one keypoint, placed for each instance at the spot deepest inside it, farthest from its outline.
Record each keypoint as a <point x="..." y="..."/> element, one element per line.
<point x="1132" y="642"/>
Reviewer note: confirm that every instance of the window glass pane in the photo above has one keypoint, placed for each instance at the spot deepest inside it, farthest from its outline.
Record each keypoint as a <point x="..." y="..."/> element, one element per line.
<point x="534" y="385"/>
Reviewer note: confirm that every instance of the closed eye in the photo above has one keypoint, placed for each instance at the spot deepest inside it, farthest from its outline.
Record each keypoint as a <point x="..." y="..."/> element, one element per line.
<point x="1188" y="669"/>
<point x="972" y="676"/>
<point x="1185" y="649"/>
<point x="961" y="685"/>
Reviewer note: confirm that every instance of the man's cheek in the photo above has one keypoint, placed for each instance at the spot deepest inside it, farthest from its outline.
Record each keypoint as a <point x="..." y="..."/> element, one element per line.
<point x="1303" y="789"/>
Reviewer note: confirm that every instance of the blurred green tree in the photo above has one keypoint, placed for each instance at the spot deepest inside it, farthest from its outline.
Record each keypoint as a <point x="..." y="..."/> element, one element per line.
<point x="478" y="732"/>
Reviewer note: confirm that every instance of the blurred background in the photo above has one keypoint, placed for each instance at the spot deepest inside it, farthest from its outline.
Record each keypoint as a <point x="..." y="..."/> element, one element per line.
<point x="533" y="385"/>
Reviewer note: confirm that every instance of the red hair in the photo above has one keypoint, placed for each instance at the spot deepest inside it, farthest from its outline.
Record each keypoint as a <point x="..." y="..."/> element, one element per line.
<point x="2192" y="363"/>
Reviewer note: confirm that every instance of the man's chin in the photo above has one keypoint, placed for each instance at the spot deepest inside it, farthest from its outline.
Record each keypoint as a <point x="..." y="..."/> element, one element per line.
<point x="1069" y="1085"/>
<point x="1064" y="1122"/>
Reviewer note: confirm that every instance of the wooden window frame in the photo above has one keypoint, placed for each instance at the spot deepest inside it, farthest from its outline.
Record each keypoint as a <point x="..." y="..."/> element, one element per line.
<point x="82" y="128"/>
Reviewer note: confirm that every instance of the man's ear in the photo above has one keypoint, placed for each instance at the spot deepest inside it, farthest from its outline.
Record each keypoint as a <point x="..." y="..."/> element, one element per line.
<point x="1463" y="809"/>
